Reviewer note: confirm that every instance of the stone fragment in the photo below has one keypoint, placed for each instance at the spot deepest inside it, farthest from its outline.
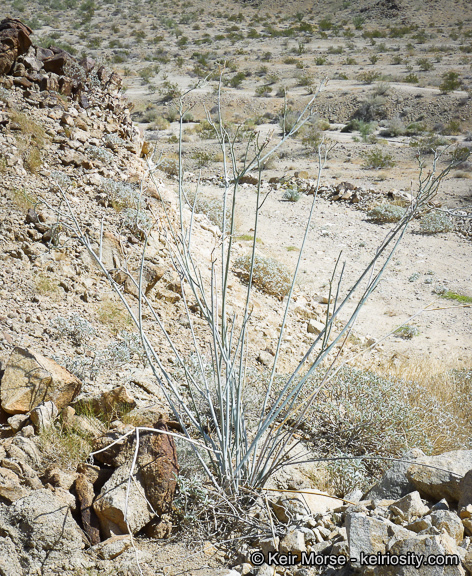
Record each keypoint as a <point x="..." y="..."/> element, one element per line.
<point x="120" y="512"/>
<point x="43" y="416"/>
<point x="419" y="546"/>
<point x="293" y="543"/>
<point x="17" y="421"/>
<point x="30" y="379"/>
<point x="40" y="522"/>
<point x="315" y="327"/>
<point x="113" y="547"/>
<point x="409" y="507"/>
<point x="448" y="522"/>
<point x="14" y="41"/>
<point x="10" y="487"/>
<point x="9" y="561"/>
<point x="152" y="489"/>
<point x="85" y="497"/>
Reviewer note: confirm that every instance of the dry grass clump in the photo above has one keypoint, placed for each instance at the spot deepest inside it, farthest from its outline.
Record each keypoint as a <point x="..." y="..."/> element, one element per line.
<point x="64" y="448"/>
<point x="269" y="275"/>
<point x="211" y="207"/>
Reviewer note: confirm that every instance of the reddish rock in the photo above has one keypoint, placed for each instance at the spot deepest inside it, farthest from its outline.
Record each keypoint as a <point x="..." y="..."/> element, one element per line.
<point x="157" y="461"/>
<point x="14" y="41"/>
<point x="85" y="497"/>
<point x="58" y="62"/>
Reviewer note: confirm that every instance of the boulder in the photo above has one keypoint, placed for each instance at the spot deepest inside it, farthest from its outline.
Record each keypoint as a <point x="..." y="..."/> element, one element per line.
<point x="394" y="484"/>
<point x="112" y="547"/>
<point x="449" y="523"/>
<point x="151" y="489"/>
<point x="9" y="561"/>
<point x="420" y="546"/>
<point x="31" y="379"/>
<point x="443" y="478"/>
<point x="14" y="41"/>
<point x="370" y="535"/>
<point x="293" y="543"/>
<point x="409" y="507"/>
<point x="302" y="503"/>
<point x="42" y="529"/>
<point x="118" y="510"/>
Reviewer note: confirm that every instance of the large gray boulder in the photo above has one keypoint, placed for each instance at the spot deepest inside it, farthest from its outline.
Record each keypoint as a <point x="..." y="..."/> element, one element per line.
<point x="43" y="532"/>
<point x="438" y="477"/>
<point x="394" y="484"/>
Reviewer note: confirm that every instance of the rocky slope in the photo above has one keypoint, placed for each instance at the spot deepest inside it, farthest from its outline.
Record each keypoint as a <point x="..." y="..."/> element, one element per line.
<point x="66" y="132"/>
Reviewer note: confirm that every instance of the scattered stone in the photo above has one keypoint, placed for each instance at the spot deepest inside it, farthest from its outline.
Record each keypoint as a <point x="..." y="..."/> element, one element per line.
<point x="43" y="416"/>
<point x="113" y="547"/>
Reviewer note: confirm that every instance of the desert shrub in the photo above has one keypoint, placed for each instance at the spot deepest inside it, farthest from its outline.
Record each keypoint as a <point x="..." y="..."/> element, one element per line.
<point x="292" y="194"/>
<point x="360" y="412"/>
<point x="121" y="195"/>
<point x="288" y="120"/>
<point x="371" y="109"/>
<point x="202" y="158"/>
<point x="376" y="159"/>
<point x="452" y="128"/>
<point x="264" y="90"/>
<point x="76" y="328"/>
<point x="428" y="144"/>
<point x="425" y="64"/>
<point x="211" y="207"/>
<point x="137" y="221"/>
<point x="386" y="213"/>
<point x="169" y="91"/>
<point x="320" y="60"/>
<point x="269" y="275"/>
<point x="64" y="448"/>
<point x="407" y="332"/>
<point x="435" y="223"/>
<point x="412" y="78"/>
<point x="394" y="127"/>
<point x="99" y="153"/>
<point x="369" y="76"/>
<point x="450" y="82"/>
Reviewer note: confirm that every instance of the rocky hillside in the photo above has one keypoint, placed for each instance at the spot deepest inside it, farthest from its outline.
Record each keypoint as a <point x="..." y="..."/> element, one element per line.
<point x="77" y="496"/>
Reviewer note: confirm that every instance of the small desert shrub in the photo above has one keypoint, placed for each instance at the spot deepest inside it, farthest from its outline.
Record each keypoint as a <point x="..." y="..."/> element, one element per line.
<point x="170" y="166"/>
<point x="386" y="213"/>
<point x="369" y="76"/>
<point x="121" y="195"/>
<point x="377" y="159"/>
<point x="203" y="159"/>
<point x="292" y="194"/>
<point x="99" y="153"/>
<point x="450" y="82"/>
<point x="450" y="295"/>
<point x="269" y="275"/>
<point x="407" y="332"/>
<point x="114" y="316"/>
<point x="288" y="120"/>
<point x="44" y="285"/>
<point x="360" y="413"/>
<point x="76" y="328"/>
<point x="425" y="64"/>
<point x="211" y="207"/>
<point x="395" y="127"/>
<point x="435" y="223"/>
<point x="412" y="78"/>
